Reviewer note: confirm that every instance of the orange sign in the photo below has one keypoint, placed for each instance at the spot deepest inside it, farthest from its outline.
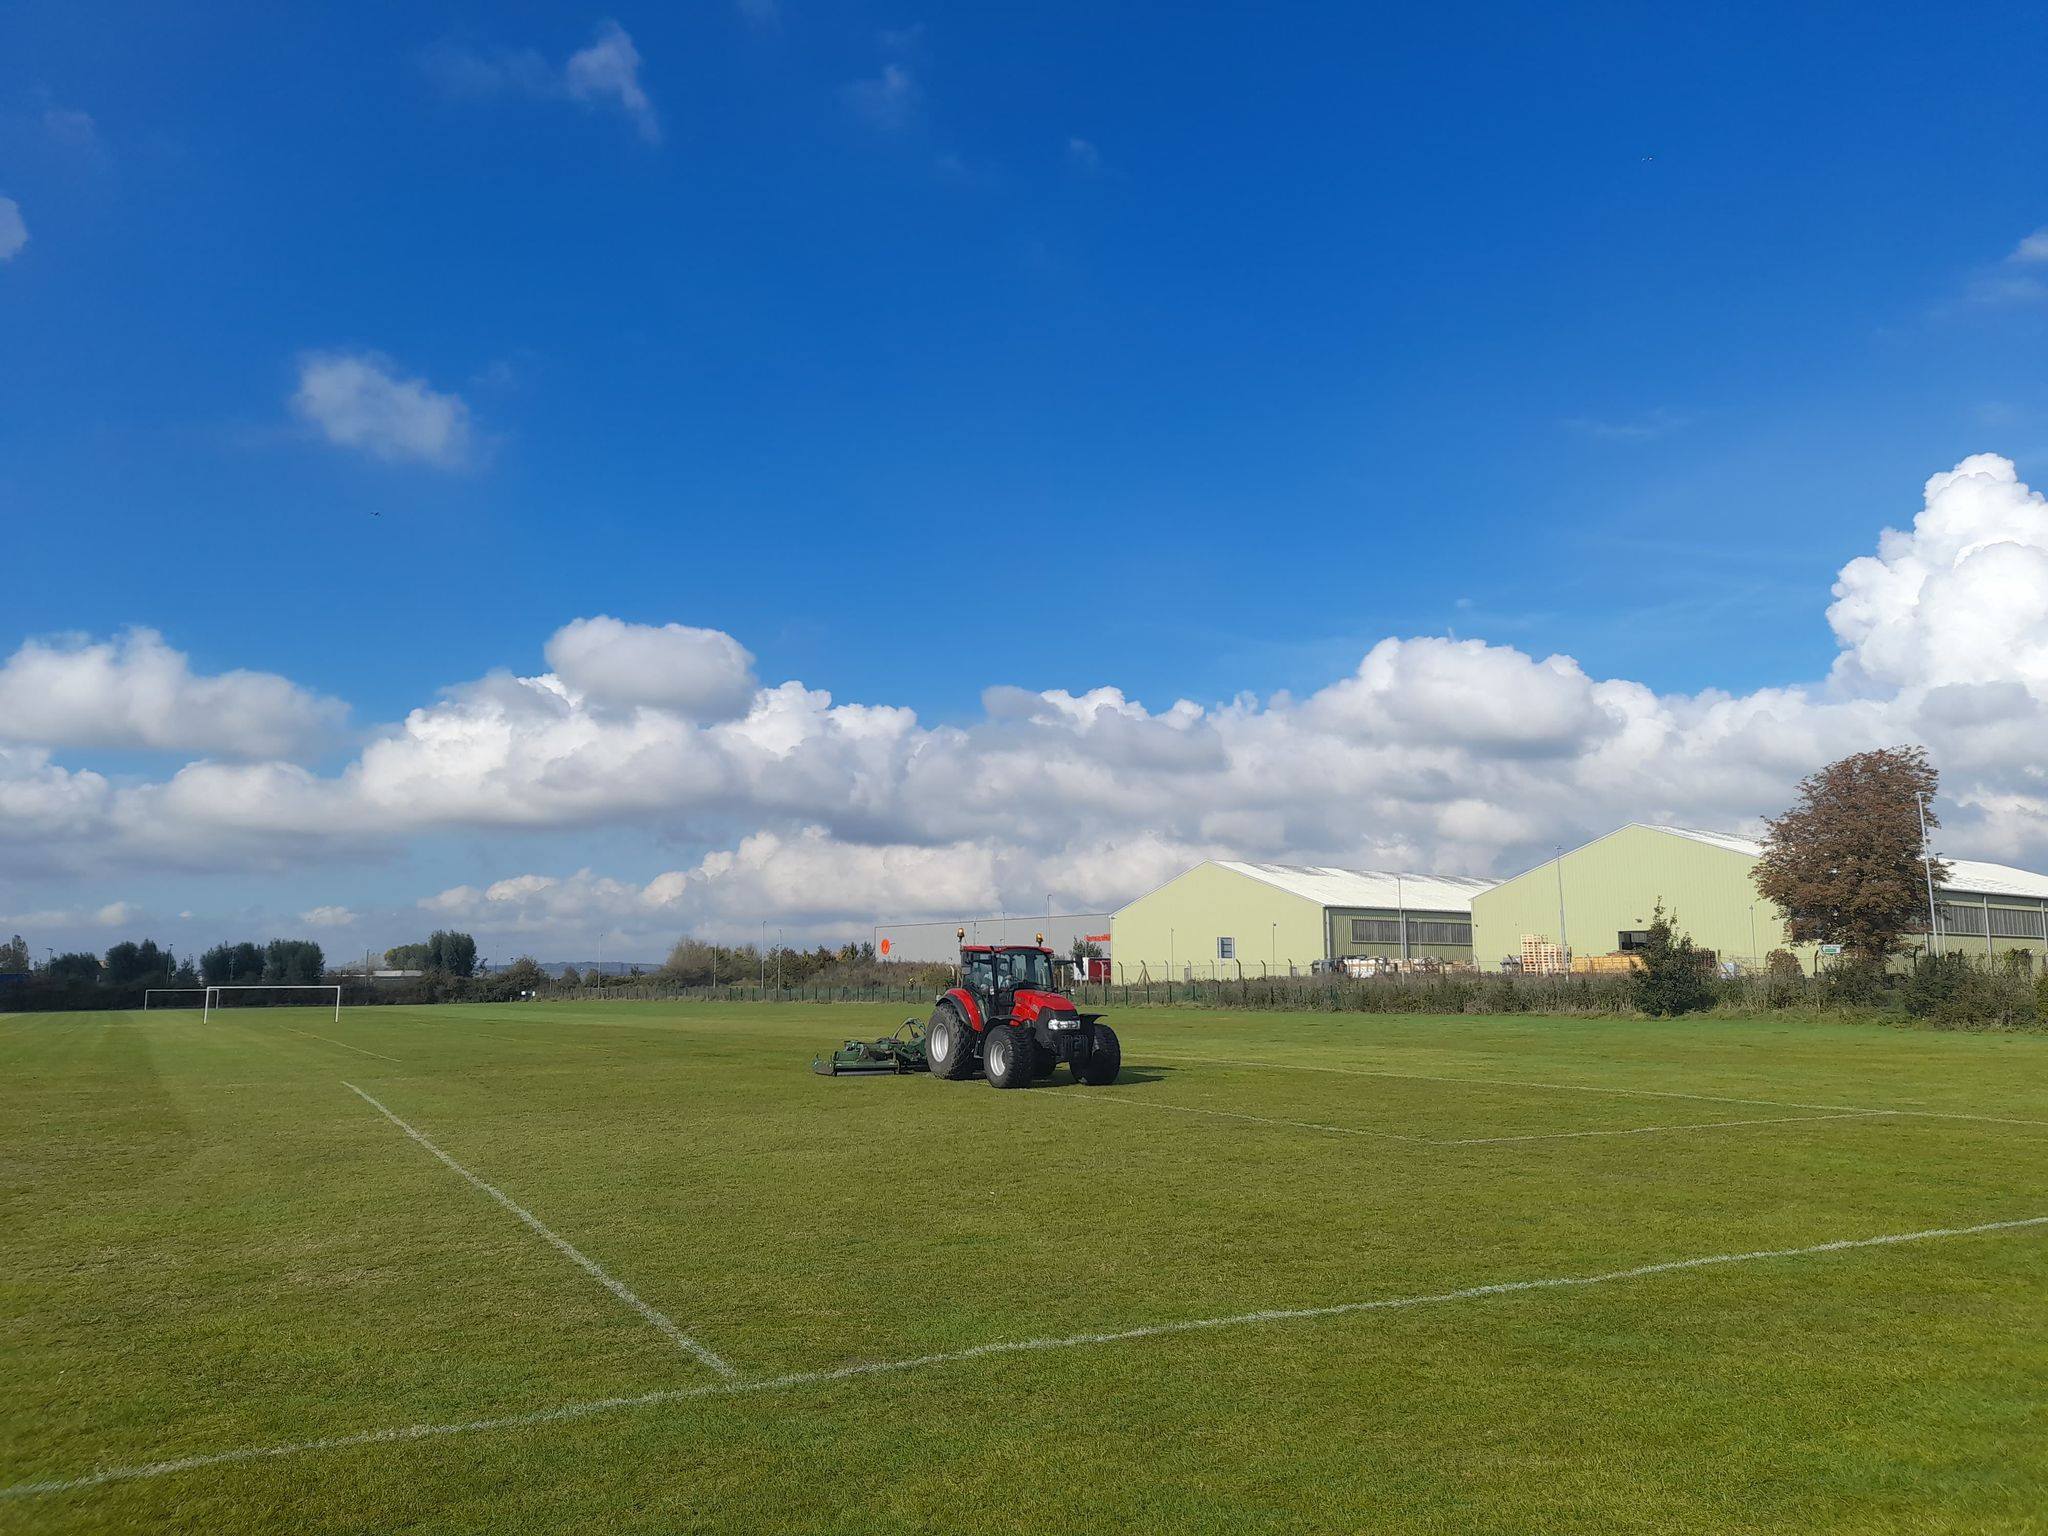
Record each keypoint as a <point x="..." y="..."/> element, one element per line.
<point x="885" y="946"/>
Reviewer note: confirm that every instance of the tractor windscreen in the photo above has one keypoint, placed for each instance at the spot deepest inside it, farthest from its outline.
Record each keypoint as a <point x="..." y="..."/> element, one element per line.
<point x="1024" y="968"/>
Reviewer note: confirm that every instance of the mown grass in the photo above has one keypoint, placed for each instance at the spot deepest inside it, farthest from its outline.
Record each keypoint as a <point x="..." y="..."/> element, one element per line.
<point x="209" y="1243"/>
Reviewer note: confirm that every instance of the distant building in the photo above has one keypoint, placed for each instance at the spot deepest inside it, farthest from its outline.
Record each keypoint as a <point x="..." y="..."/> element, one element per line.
<point x="1229" y="919"/>
<point x="1599" y="900"/>
<point x="937" y="941"/>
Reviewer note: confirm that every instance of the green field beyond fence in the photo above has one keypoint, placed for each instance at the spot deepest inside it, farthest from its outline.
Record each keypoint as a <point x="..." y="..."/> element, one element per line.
<point x="630" y="1267"/>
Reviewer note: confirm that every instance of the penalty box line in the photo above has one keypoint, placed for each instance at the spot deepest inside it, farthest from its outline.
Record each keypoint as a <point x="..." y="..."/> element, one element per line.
<point x="1626" y="1093"/>
<point x="561" y="1245"/>
<point x="590" y="1409"/>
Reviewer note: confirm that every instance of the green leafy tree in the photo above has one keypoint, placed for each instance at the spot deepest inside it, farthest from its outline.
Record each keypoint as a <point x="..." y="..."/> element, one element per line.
<point x="1845" y="862"/>
<point x="129" y="963"/>
<point x="231" y="964"/>
<point x="292" y="962"/>
<point x="74" y="967"/>
<point x="14" y="954"/>
<point x="1671" y="973"/>
<point x="406" y="957"/>
<point x="454" y="953"/>
<point x="525" y="974"/>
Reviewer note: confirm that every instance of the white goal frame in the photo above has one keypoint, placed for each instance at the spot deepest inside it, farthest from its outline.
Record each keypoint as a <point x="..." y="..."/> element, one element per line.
<point x="149" y="992"/>
<point x="213" y="995"/>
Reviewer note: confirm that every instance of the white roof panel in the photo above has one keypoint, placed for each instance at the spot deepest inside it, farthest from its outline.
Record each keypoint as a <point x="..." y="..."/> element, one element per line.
<point x="1972" y="876"/>
<point x="1366" y="887"/>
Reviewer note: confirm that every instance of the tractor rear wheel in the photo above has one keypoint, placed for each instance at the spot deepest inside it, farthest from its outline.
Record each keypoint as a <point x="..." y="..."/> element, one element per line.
<point x="949" y="1044"/>
<point x="1009" y="1058"/>
<point x="1103" y="1061"/>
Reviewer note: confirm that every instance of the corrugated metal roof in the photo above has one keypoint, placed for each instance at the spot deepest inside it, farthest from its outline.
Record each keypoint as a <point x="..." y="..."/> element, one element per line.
<point x="1726" y="840"/>
<point x="1366" y="887"/>
<point x="1973" y="877"/>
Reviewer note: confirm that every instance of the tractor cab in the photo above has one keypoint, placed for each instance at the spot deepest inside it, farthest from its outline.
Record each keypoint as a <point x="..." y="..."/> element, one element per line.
<point x="1001" y="972"/>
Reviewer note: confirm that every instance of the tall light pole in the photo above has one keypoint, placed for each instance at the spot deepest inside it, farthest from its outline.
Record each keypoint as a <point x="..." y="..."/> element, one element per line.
<point x="1927" y="868"/>
<point x="764" y="954"/>
<point x="779" y="947"/>
<point x="1563" y="942"/>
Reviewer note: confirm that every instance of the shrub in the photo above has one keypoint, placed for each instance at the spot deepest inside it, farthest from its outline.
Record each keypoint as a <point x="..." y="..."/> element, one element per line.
<point x="1673" y="975"/>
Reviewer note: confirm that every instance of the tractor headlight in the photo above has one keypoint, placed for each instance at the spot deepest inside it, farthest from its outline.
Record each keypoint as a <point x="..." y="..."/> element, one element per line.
<point x="1062" y="1023"/>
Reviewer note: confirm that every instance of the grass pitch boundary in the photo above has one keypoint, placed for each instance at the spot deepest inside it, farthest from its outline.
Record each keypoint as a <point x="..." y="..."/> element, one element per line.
<point x="658" y="1320"/>
<point x="568" y="1412"/>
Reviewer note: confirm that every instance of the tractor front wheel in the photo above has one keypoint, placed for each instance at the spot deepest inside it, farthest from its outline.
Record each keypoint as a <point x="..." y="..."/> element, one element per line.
<point x="1009" y="1057"/>
<point x="1103" y="1061"/>
<point x="949" y="1044"/>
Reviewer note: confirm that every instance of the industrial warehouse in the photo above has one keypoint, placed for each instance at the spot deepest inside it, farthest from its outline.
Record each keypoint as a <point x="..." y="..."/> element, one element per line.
<point x="1587" y="909"/>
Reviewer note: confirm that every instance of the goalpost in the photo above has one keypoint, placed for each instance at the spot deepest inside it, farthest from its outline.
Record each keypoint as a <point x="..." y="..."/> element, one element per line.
<point x="150" y="992"/>
<point x="214" y="1001"/>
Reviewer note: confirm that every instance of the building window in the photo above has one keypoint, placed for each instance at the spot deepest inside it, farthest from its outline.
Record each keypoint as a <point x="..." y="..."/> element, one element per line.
<point x="1959" y="919"/>
<point x="1423" y="930"/>
<point x="1632" y="939"/>
<point x="2016" y="923"/>
<point x="1226" y="949"/>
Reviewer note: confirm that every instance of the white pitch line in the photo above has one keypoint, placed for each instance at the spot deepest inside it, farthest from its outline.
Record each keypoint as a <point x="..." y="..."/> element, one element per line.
<point x="590" y="1409"/>
<point x="343" y="1044"/>
<point x="1231" y="1114"/>
<point x="1482" y="1141"/>
<point x="1647" y="1130"/>
<point x="1626" y="1093"/>
<point x="562" y="1246"/>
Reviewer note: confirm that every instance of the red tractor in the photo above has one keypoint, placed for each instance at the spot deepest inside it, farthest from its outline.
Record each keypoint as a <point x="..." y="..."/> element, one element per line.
<point x="1006" y="1016"/>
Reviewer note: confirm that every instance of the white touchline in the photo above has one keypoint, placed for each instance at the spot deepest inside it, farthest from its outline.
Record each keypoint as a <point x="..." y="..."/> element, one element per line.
<point x="1626" y="1093"/>
<point x="1479" y="1141"/>
<point x="681" y="1339"/>
<point x="584" y="1410"/>
<point x="343" y="1044"/>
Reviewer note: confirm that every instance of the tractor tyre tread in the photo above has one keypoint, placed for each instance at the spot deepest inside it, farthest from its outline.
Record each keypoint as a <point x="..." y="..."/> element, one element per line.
<point x="960" y="1065"/>
<point x="1010" y="1057"/>
<point x="1104" y="1061"/>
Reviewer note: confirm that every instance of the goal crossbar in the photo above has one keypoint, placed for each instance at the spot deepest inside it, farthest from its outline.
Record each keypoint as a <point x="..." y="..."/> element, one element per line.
<point x="213" y="996"/>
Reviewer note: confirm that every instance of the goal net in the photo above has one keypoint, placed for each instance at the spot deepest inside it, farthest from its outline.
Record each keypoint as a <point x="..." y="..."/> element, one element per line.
<point x="280" y="996"/>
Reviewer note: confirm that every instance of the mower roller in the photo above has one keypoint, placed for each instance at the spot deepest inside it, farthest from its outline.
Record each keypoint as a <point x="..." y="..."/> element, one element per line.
<point x="901" y="1052"/>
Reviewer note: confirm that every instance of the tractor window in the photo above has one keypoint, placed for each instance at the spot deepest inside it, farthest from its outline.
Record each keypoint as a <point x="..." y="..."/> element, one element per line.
<point x="975" y="972"/>
<point x="1024" y="968"/>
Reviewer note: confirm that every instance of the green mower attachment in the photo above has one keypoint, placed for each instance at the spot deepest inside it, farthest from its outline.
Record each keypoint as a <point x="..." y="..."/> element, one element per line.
<point x="900" y="1052"/>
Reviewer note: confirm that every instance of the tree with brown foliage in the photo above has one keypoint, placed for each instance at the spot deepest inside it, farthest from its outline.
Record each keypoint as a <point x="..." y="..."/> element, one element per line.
<point x="1845" y="862"/>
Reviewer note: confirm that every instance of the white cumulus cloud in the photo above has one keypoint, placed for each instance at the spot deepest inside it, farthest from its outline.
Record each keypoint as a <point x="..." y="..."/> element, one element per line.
<point x="1458" y="756"/>
<point x="359" y="400"/>
<point x="135" y="691"/>
<point x="703" y="674"/>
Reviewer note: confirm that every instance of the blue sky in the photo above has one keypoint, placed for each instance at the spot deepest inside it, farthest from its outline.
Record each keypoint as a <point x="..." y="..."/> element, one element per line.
<point x="924" y="351"/>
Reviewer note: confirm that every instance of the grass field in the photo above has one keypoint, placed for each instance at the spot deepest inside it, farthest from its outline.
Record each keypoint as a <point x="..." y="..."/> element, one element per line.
<point x="629" y="1267"/>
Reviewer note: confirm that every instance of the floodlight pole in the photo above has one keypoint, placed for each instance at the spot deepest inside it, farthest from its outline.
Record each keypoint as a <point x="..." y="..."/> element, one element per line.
<point x="1563" y="941"/>
<point x="1927" y="868"/>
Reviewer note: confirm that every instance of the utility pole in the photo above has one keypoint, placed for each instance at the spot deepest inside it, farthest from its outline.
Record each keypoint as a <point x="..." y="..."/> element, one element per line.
<point x="1563" y="942"/>
<point x="1927" y="868"/>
